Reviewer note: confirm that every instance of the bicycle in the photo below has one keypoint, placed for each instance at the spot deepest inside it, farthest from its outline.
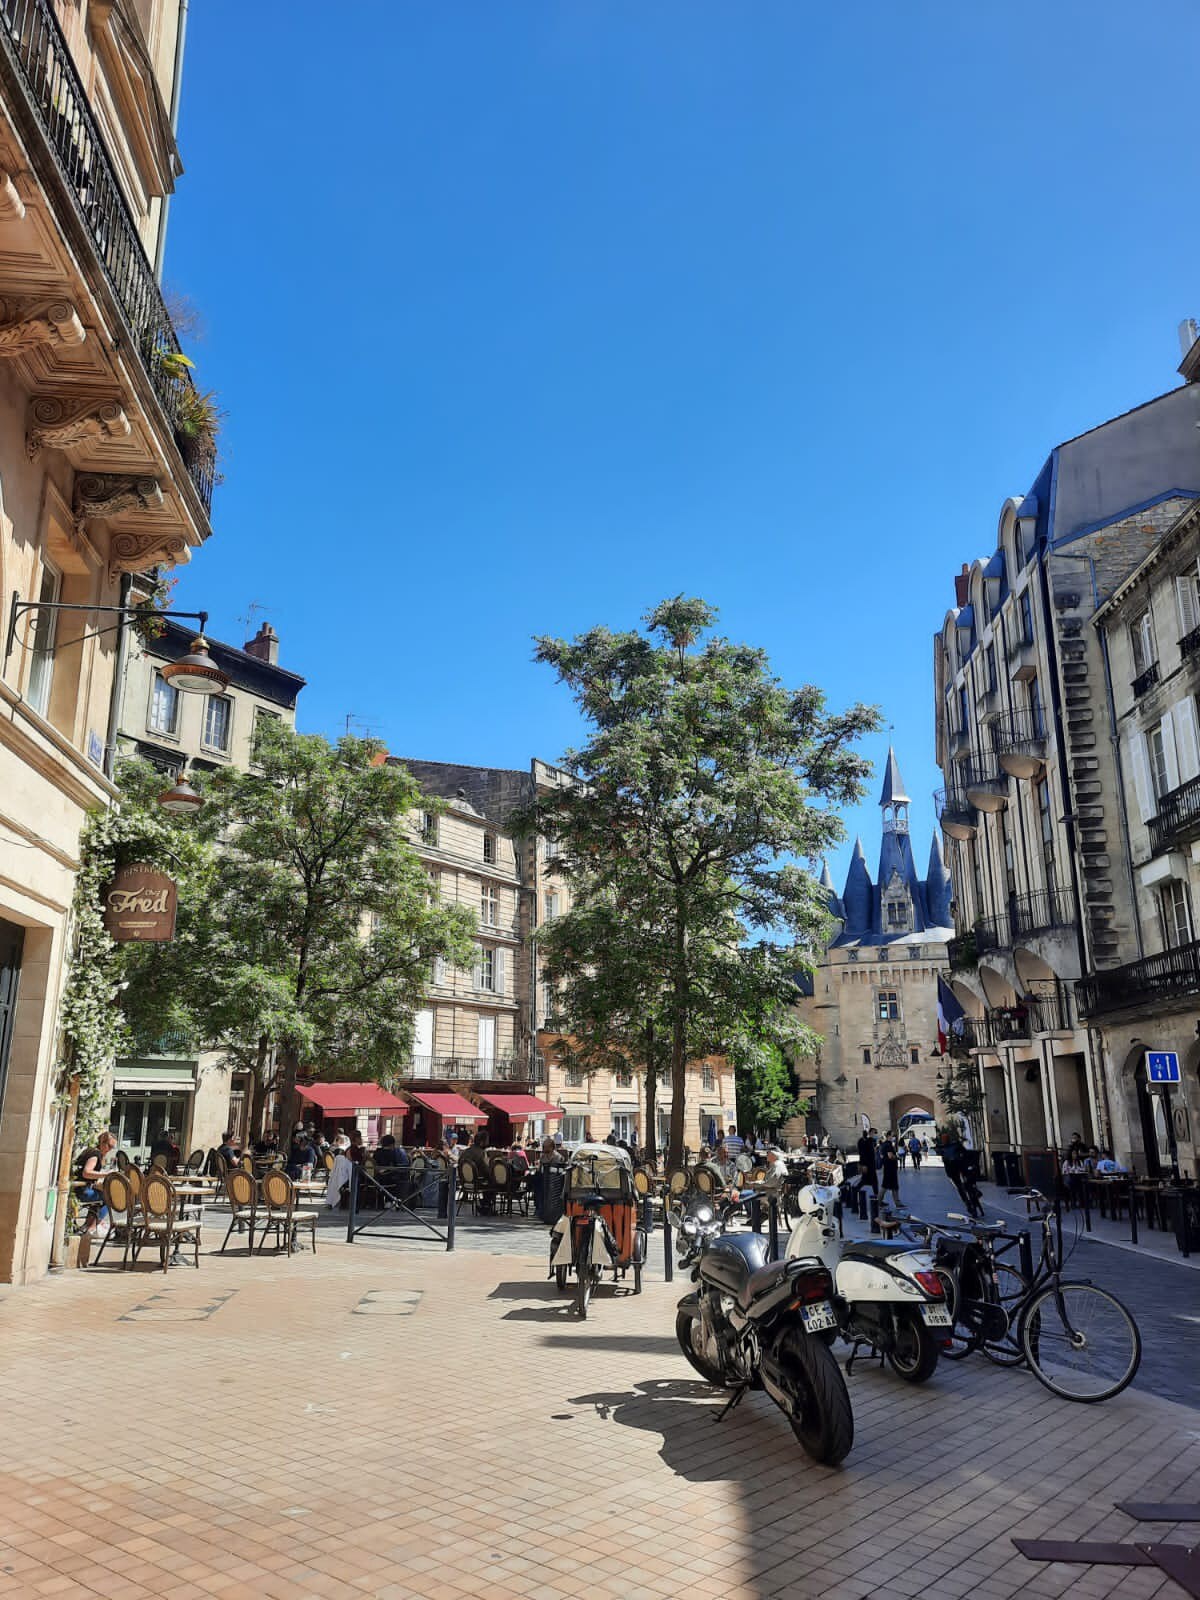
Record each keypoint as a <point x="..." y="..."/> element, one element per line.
<point x="980" y="1290"/>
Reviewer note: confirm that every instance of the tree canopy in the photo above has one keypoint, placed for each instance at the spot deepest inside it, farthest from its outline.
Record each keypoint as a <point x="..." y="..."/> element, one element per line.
<point x="703" y="787"/>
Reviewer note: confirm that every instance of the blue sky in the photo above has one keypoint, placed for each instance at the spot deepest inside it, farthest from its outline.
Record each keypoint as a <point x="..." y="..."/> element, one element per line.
<point x="529" y="314"/>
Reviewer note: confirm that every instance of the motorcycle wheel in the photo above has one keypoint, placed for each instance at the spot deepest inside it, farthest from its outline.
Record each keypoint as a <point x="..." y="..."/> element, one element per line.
<point x="825" y="1425"/>
<point x="914" y="1357"/>
<point x="685" y="1323"/>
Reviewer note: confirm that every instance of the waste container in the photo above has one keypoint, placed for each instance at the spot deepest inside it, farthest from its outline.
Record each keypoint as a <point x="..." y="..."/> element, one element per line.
<point x="1008" y="1168"/>
<point x="1187" y="1221"/>
<point x="1041" y="1171"/>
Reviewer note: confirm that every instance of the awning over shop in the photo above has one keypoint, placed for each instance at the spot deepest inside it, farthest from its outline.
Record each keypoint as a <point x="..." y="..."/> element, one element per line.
<point x="450" y="1107"/>
<point x="343" y="1099"/>
<point x="520" y="1107"/>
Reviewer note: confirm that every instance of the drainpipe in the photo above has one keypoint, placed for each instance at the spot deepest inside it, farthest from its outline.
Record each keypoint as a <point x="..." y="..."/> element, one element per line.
<point x="160" y="243"/>
<point x="117" y="693"/>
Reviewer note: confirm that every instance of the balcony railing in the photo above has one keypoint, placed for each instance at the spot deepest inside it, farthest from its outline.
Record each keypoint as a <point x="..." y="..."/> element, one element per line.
<point x="1189" y="644"/>
<point x="509" y="1069"/>
<point x="34" y="44"/>
<point x="985" y="782"/>
<point x="1145" y="681"/>
<point x="1041" y="912"/>
<point x="1178" y="816"/>
<point x="964" y="1036"/>
<point x="1045" y="1009"/>
<point x="992" y="933"/>
<point x="1169" y="975"/>
<point x="955" y="812"/>
<point x="1019" y="740"/>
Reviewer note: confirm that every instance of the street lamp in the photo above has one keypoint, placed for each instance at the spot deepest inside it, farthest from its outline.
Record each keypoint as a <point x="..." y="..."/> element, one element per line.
<point x="194" y="673"/>
<point x="181" y="799"/>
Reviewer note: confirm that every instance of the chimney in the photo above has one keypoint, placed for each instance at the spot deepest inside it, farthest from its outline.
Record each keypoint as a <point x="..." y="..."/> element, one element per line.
<point x="264" y="645"/>
<point x="962" y="587"/>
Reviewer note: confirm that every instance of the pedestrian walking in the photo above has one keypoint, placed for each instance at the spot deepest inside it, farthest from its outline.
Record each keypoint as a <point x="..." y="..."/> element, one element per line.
<point x="866" y="1160"/>
<point x="890" y="1170"/>
<point x="914" y="1150"/>
<point x="902" y="1153"/>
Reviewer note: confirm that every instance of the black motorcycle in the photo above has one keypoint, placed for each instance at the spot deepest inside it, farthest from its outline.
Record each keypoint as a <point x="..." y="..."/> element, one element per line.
<point x="758" y="1324"/>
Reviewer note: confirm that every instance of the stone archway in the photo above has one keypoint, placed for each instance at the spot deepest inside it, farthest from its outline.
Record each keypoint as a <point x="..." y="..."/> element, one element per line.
<point x="901" y="1103"/>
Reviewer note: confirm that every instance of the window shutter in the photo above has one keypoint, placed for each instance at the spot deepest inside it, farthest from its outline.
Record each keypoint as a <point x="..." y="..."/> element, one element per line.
<point x="439" y="969"/>
<point x="1189" y="612"/>
<point x="1141" y="776"/>
<point x="498" y="971"/>
<point x="1187" y="741"/>
<point x="477" y="974"/>
<point x="1170" y="757"/>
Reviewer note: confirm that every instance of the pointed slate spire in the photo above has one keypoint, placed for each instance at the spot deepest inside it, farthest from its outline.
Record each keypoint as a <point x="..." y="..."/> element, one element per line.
<point x="832" y="899"/>
<point x="894" y="793"/>
<point x="857" y="895"/>
<point x="938" y="888"/>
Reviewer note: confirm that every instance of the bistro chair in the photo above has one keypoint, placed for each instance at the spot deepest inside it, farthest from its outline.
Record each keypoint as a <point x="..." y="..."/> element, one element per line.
<point x="503" y="1180"/>
<point x="133" y="1177"/>
<point x="162" y="1225"/>
<point x="242" y="1193"/>
<point x="123" y="1221"/>
<point x="677" y="1182"/>
<point x="194" y="1165"/>
<point x="122" y="1160"/>
<point x="329" y="1158"/>
<point x="473" y="1182"/>
<point x="643" y="1181"/>
<point x="280" y="1215"/>
<point x="248" y="1162"/>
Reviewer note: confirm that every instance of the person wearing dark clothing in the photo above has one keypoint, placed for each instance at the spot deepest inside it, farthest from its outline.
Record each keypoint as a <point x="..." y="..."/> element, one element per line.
<point x="960" y="1171"/>
<point x="166" y="1150"/>
<point x="866" y="1161"/>
<point x="227" y="1150"/>
<point x="301" y="1155"/>
<point x="915" y="1151"/>
<point x="891" y="1171"/>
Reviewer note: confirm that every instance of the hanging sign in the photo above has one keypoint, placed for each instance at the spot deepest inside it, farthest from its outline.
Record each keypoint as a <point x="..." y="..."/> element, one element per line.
<point x="140" y="904"/>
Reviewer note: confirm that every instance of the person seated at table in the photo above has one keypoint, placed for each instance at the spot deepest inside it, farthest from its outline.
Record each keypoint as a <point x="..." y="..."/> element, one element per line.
<point x="517" y="1157"/>
<point x="267" y="1143"/>
<point x="1107" y="1167"/>
<point x="89" y="1170"/>
<point x="358" y="1150"/>
<point x="1090" y="1161"/>
<point x="1074" y="1173"/>
<point x="227" y="1150"/>
<point x="1076" y="1150"/>
<point x="301" y="1155"/>
<point x="165" y="1148"/>
<point x="337" y="1190"/>
<point x="391" y="1154"/>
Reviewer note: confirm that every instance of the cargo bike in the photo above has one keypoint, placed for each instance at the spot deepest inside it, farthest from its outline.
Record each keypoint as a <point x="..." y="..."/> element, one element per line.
<point x="599" y="1229"/>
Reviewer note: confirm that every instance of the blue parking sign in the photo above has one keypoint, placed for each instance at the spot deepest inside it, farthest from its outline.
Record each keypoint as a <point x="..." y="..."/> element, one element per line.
<point x="1162" y="1066"/>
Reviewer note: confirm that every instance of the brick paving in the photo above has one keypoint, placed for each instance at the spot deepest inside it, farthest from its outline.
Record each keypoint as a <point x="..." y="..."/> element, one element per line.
<point x="402" y="1423"/>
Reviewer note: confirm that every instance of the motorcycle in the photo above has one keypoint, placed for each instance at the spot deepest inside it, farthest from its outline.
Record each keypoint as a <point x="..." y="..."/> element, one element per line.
<point x="886" y="1294"/>
<point x="754" y="1324"/>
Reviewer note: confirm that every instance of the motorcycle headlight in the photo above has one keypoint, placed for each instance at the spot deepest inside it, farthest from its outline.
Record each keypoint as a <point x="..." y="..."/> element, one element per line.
<point x="691" y="1227"/>
<point x="703" y="1214"/>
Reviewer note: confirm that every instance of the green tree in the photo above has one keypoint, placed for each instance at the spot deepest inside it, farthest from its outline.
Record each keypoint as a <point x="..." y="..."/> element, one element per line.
<point x="702" y="781"/>
<point x="315" y="935"/>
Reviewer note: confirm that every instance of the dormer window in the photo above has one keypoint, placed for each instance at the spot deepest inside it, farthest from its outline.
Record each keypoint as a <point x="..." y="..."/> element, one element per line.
<point x="896" y="916"/>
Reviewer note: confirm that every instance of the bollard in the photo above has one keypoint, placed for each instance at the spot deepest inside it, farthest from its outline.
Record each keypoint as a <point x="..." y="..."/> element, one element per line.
<point x="451" y="1205"/>
<point x="1025" y="1254"/>
<point x="863" y="1191"/>
<point x="668" y="1264"/>
<point x="873" y="1211"/>
<point x="773" y="1229"/>
<point x="1087" y="1204"/>
<point x="353" y="1203"/>
<point x="1133" y="1238"/>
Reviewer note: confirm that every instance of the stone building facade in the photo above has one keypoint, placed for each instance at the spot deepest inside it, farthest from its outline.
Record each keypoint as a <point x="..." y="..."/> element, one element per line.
<point x="99" y="480"/>
<point x="873" y="997"/>
<point x="1047" y="894"/>
<point x="477" y="1038"/>
<point x="176" y="1083"/>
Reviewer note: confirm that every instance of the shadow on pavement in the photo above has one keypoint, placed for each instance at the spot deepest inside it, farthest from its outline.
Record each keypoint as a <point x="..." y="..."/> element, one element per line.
<point x="531" y="1289"/>
<point x="648" y="1344"/>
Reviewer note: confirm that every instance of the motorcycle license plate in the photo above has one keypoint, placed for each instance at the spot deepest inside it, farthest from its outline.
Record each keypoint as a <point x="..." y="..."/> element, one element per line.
<point x="819" y="1317"/>
<point x="936" y="1317"/>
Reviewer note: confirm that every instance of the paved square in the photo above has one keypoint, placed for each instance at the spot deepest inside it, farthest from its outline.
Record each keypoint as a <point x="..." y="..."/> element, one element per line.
<point x="402" y="1423"/>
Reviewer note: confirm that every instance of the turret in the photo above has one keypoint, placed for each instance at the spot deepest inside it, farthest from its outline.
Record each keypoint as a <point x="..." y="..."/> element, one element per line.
<point x="857" y="895"/>
<point x="894" y="800"/>
<point x="832" y="900"/>
<point x="938" y="887"/>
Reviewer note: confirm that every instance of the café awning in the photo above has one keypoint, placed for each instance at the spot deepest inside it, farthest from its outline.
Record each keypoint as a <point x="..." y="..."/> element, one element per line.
<point x="520" y="1107"/>
<point x="449" y="1106"/>
<point x="343" y="1099"/>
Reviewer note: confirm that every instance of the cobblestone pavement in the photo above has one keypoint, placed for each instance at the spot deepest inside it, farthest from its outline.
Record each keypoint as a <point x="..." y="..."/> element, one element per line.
<point x="402" y="1423"/>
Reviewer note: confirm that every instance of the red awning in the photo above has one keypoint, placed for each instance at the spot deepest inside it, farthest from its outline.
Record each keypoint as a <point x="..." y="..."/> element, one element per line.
<point x="342" y="1099"/>
<point x="449" y="1106"/>
<point x="520" y="1107"/>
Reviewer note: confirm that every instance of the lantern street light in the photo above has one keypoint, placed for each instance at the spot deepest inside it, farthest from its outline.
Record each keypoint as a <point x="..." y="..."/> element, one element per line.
<point x="181" y="799"/>
<point x="194" y="673"/>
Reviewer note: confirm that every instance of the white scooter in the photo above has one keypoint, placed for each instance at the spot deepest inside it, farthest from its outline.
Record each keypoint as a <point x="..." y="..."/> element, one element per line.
<point x="888" y="1295"/>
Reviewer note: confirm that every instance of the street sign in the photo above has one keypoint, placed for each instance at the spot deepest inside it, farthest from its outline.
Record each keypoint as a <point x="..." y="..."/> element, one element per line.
<point x="1162" y="1066"/>
<point x="139" y="904"/>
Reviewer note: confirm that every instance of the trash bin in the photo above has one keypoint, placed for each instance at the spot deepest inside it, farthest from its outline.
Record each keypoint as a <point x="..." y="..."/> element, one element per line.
<point x="1042" y="1170"/>
<point x="1187" y="1221"/>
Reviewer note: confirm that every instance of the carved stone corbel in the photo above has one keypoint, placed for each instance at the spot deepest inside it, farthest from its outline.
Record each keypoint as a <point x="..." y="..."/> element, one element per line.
<point x="23" y="325"/>
<point x="105" y="494"/>
<point x="12" y="207"/>
<point x="56" y="423"/>
<point x="138" y="552"/>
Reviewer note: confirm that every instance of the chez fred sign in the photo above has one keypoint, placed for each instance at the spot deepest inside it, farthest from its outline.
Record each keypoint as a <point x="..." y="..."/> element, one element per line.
<point x="140" y="904"/>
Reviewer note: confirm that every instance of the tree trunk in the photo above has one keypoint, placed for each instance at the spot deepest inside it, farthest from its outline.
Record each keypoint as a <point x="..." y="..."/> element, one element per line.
<point x="679" y="1001"/>
<point x="258" y="1091"/>
<point x="289" y="1100"/>
<point x="650" y="1131"/>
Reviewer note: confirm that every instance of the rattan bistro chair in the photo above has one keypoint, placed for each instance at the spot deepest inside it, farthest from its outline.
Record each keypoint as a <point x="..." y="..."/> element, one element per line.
<point x="280" y="1216"/>
<point x="162" y="1225"/>
<point x="194" y="1164"/>
<point x="123" y="1220"/>
<point x="242" y="1193"/>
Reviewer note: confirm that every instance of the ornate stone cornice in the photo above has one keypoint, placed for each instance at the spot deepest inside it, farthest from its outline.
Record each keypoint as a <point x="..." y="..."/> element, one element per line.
<point x="57" y="422"/>
<point x="27" y="323"/>
<point x="138" y="552"/>
<point x="106" y="494"/>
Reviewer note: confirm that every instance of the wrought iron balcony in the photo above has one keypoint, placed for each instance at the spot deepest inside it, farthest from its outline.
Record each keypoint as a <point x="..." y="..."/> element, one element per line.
<point x="1019" y="740"/>
<point x="992" y="933"/>
<point x="509" y="1069"/>
<point x="1169" y="975"/>
<point x="956" y="813"/>
<point x="1178" y="816"/>
<point x="1145" y="681"/>
<point x="965" y="1035"/>
<point x="1046" y="1008"/>
<point x="1189" y="644"/>
<point x="33" y="42"/>
<point x="985" y="782"/>
<point x="1042" y="912"/>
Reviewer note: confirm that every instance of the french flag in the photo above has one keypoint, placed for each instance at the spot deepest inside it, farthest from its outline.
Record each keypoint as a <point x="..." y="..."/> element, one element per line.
<point x="949" y="1013"/>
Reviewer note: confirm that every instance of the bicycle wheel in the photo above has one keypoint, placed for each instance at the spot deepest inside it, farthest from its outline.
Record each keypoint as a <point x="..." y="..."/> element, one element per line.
<point x="960" y="1343"/>
<point x="583" y="1272"/>
<point x="1080" y="1342"/>
<point x="1012" y="1288"/>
